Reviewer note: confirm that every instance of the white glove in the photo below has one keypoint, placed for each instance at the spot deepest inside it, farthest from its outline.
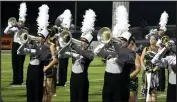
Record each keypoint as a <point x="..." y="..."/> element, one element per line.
<point x="156" y="57"/>
<point x="7" y="29"/>
<point x="18" y="52"/>
<point x="68" y="53"/>
<point x="14" y="29"/>
<point x="98" y="49"/>
<point x="72" y="54"/>
<point x="159" y="43"/>
<point x="75" y="55"/>
<point x="147" y="36"/>
<point x="9" y="25"/>
<point x="33" y="51"/>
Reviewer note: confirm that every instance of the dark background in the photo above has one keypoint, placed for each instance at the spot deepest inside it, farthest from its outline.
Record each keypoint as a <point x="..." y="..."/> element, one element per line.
<point x="141" y="13"/>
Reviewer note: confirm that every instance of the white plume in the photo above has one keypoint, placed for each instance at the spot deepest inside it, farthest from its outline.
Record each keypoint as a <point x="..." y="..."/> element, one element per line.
<point x="151" y="32"/>
<point x="42" y="20"/>
<point x="122" y="22"/>
<point x="163" y="20"/>
<point x="22" y="11"/>
<point x="88" y="22"/>
<point x="66" y="18"/>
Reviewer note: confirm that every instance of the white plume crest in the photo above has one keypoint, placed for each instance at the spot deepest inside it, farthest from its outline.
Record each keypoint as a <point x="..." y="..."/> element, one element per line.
<point x="122" y="22"/>
<point x="22" y="11"/>
<point x="163" y="20"/>
<point x="42" y="20"/>
<point x="66" y="18"/>
<point x="151" y="32"/>
<point x="88" y="22"/>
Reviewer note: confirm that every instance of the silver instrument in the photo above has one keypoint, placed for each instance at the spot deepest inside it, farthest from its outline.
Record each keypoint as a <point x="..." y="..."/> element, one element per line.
<point x="66" y="39"/>
<point x="25" y="37"/>
<point x="12" y="21"/>
<point x="104" y="35"/>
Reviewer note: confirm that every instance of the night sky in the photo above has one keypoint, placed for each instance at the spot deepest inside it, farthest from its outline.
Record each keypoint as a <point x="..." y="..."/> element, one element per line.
<point x="141" y="13"/>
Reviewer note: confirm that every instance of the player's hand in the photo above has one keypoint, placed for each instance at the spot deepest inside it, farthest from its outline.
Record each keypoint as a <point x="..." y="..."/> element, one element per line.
<point x="45" y="68"/>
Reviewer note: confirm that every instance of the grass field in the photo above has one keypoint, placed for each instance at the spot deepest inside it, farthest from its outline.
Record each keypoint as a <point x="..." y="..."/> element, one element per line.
<point x="96" y="73"/>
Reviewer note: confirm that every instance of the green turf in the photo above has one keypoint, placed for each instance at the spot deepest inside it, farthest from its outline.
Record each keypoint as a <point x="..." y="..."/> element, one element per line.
<point x="96" y="73"/>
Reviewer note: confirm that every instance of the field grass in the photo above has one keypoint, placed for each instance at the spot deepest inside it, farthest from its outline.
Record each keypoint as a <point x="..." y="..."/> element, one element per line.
<point x="96" y="73"/>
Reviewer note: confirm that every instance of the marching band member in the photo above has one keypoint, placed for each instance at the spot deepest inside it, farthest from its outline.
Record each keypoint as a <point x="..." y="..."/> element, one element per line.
<point x="161" y="33"/>
<point x="50" y="68"/>
<point x="119" y="61"/>
<point x="147" y="54"/>
<point x="81" y="60"/>
<point x="134" y="72"/>
<point x="169" y="61"/>
<point x="64" y="23"/>
<point x="38" y="52"/>
<point x="17" y="60"/>
<point x="162" y="28"/>
<point x="118" y="66"/>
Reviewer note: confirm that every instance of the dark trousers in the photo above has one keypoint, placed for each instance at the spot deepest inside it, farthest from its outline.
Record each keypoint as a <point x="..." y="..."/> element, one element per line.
<point x="17" y="64"/>
<point x="115" y="89"/>
<point x="162" y="80"/>
<point x="79" y="87"/>
<point x="62" y="74"/>
<point x="34" y="83"/>
<point x="171" y="93"/>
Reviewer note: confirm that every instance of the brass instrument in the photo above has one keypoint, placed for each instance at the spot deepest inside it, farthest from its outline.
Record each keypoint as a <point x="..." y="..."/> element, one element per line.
<point x="12" y="21"/>
<point x="164" y="40"/>
<point x="65" y="38"/>
<point x="24" y="36"/>
<point x="104" y="35"/>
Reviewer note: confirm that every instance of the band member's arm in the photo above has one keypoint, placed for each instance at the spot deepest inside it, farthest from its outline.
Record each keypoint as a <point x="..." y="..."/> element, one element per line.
<point x="72" y="54"/>
<point x="137" y="67"/>
<point x="142" y="58"/>
<point x="9" y="29"/>
<point x="164" y="62"/>
<point x="54" y="57"/>
<point x="102" y="52"/>
<point x="22" y="50"/>
<point x="159" y="55"/>
<point x="85" y="53"/>
<point x="117" y="47"/>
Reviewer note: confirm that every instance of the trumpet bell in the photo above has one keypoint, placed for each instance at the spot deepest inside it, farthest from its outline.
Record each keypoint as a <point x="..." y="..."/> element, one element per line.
<point x="65" y="37"/>
<point x="12" y="21"/>
<point x="164" y="39"/>
<point x="23" y="35"/>
<point x="104" y="35"/>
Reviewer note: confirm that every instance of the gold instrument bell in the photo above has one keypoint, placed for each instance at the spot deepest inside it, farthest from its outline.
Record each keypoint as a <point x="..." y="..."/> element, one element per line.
<point x="12" y="21"/>
<point x="164" y="39"/>
<point x="104" y="35"/>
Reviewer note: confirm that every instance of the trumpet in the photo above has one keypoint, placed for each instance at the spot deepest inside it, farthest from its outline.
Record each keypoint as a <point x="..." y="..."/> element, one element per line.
<point x="104" y="35"/>
<point x="164" y="40"/>
<point x="24" y="36"/>
<point x="65" y="39"/>
<point x="12" y="21"/>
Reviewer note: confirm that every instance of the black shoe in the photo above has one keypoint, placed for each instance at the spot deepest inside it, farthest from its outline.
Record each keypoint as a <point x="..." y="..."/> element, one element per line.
<point x="12" y="83"/>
